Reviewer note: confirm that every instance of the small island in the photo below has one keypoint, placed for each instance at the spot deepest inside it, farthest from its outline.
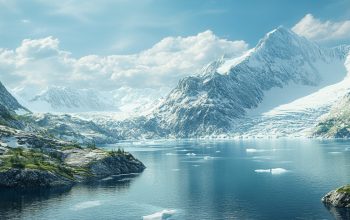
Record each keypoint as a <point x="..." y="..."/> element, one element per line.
<point x="40" y="161"/>
<point x="339" y="198"/>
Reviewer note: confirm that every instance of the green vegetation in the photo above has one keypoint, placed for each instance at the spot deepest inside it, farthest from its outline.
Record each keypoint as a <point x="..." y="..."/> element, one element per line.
<point x="115" y="153"/>
<point x="91" y="146"/>
<point x="71" y="147"/>
<point x="34" y="159"/>
<point x="121" y="152"/>
<point x="344" y="189"/>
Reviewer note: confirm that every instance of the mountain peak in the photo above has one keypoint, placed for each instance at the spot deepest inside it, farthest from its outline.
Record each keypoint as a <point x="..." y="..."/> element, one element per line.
<point x="282" y="36"/>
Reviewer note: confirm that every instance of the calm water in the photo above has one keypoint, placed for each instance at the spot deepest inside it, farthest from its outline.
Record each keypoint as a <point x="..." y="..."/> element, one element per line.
<point x="271" y="179"/>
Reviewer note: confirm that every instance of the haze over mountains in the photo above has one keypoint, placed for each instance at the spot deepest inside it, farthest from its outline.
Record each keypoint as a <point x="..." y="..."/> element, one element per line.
<point x="281" y="87"/>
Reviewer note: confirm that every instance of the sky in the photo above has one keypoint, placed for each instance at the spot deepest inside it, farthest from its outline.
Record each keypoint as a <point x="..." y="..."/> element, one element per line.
<point x="107" y="44"/>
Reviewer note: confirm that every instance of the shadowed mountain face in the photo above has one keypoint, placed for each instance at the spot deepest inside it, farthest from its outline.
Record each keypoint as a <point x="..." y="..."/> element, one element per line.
<point x="6" y="99"/>
<point x="9" y="107"/>
<point x="211" y="102"/>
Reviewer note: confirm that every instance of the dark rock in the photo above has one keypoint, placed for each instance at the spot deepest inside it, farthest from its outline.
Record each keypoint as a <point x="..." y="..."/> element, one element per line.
<point x="32" y="178"/>
<point x="116" y="165"/>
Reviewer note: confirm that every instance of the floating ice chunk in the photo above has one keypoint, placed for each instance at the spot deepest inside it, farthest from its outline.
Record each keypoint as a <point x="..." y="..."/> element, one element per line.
<point x="334" y="152"/>
<point x="86" y="205"/>
<point x="253" y="150"/>
<point x="207" y="157"/>
<point x="183" y="150"/>
<point x="107" y="178"/>
<point x="273" y="171"/>
<point x="217" y="151"/>
<point x="191" y="154"/>
<point x="162" y="215"/>
<point x="170" y="154"/>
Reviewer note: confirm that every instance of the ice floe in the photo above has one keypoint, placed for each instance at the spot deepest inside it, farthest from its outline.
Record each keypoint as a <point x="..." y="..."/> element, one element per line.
<point x="86" y="205"/>
<point x="273" y="171"/>
<point x="335" y="152"/>
<point x="170" y="154"/>
<point x="162" y="215"/>
<point x="253" y="150"/>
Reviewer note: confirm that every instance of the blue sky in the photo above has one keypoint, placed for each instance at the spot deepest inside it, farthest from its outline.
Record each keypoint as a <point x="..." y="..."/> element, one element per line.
<point x="121" y="27"/>
<point x="108" y="44"/>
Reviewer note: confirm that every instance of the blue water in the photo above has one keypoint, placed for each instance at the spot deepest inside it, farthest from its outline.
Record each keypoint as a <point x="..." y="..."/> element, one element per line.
<point x="262" y="179"/>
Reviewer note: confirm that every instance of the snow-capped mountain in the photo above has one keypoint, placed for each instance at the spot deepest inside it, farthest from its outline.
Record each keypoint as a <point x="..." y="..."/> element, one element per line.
<point x="281" y="69"/>
<point x="65" y="99"/>
<point x="71" y="100"/>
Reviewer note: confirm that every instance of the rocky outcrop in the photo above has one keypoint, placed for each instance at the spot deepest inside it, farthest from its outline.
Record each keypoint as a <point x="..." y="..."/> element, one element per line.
<point x="65" y="168"/>
<point x="116" y="165"/>
<point x="32" y="178"/>
<point x="338" y="198"/>
<point x="31" y="160"/>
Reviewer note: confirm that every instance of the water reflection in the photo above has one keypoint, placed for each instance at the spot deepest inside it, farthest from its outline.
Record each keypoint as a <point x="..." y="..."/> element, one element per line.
<point x="15" y="202"/>
<point x="339" y="213"/>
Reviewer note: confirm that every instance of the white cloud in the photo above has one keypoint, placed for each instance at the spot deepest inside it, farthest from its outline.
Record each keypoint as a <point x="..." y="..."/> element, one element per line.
<point x="315" y="29"/>
<point x="25" y="21"/>
<point x="40" y="63"/>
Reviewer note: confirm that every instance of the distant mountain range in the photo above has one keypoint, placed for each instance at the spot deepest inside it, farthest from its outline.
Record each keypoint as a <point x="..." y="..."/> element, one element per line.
<point x="285" y="86"/>
<point x="72" y="100"/>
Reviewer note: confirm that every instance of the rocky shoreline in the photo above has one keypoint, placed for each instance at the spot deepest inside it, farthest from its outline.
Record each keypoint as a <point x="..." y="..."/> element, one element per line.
<point x="339" y="198"/>
<point x="29" y="160"/>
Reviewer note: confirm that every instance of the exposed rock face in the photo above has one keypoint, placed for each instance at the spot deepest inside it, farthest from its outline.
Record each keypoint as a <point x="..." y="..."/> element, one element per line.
<point x="338" y="198"/>
<point x="116" y="165"/>
<point x="336" y="124"/>
<point x="32" y="178"/>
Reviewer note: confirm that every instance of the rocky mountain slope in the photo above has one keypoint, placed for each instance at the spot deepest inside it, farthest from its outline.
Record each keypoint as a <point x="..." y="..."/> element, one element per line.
<point x="336" y="124"/>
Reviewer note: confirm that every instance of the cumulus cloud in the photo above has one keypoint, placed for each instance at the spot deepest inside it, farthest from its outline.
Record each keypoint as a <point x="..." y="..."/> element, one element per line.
<point x="315" y="29"/>
<point x="41" y="63"/>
